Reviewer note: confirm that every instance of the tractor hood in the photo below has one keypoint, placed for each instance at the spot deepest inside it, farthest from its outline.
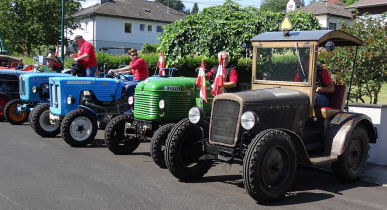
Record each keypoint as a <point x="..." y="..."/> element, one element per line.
<point x="167" y="84"/>
<point x="268" y="96"/>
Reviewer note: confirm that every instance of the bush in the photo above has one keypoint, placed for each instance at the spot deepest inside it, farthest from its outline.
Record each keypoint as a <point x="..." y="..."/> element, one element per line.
<point x="149" y="48"/>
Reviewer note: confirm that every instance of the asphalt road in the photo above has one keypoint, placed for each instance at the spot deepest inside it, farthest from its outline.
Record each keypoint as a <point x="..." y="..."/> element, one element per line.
<point x="38" y="173"/>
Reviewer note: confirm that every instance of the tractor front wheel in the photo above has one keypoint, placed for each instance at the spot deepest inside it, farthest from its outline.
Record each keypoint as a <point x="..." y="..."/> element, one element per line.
<point x="14" y="116"/>
<point x="157" y="145"/>
<point x="269" y="166"/>
<point x="79" y="127"/>
<point x="119" y="139"/>
<point x="40" y="121"/>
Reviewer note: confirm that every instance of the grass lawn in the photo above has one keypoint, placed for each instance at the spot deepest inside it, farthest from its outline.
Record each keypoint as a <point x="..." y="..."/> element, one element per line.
<point x="382" y="95"/>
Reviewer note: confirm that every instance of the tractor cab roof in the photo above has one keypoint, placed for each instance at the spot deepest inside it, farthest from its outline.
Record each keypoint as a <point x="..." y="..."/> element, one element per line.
<point x="340" y="38"/>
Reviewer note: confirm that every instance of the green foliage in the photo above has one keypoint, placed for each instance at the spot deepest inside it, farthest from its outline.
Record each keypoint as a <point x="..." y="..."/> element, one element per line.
<point x="273" y="5"/>
<point x="26" y="24"/>
<point x="149" y="48"/>
<point x="371" y="61"/>
<point x="224" y="28"/>
<point x="115" y="61"/>
<point x="349" y="2"/>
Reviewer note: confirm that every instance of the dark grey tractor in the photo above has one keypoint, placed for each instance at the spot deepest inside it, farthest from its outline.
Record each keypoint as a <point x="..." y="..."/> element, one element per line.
<point x="272" y="128"/>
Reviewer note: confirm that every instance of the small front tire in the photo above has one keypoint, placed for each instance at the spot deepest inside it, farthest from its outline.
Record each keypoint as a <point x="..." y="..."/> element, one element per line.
<point x="119" y="139"/>
<point x="79" y="127"/>
<point x="40" y="121"/>
<point x="157" y="145"/>
<point x="11" y="114"/>
<point x="183" y="151"/>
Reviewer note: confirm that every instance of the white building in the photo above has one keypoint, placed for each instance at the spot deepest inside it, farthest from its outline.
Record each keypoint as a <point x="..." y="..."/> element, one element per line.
<point x="294" y="4"/>
<point x="115" y="26"/>
<point x="330" y="13"/>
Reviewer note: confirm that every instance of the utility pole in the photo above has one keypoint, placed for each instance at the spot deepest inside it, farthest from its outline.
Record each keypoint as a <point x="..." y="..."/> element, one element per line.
<point x="62" y="33"/>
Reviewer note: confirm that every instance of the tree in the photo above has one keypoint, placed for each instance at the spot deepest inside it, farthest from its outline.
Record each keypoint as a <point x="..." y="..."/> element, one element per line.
<point x="371" y="59"/>
<point x="349" y="2"/>
<point x="273" y="5"/>
<point x="195" y="8"/>
<point x="26" y="24"/>
<point x="175" y="4"/>
<point x="224" y="27"/>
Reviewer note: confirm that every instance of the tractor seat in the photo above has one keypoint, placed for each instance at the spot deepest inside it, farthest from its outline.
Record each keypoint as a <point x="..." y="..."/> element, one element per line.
<point x="336" y="103"/>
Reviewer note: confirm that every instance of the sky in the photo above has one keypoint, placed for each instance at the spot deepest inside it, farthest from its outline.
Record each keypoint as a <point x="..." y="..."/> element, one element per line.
<point x="201" y="3"/>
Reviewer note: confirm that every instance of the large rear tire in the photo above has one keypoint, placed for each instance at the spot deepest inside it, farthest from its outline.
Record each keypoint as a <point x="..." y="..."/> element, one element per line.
<point x="157" y="145"/>
<point x="40" y="121"/>
<point x="12" y="115"/>
<point x="79" y="127"/>
<point x="350" y="164"/>
<point x="269" y="166"/>
<point x="183" y="150"/>
<point x="119" y="139"/>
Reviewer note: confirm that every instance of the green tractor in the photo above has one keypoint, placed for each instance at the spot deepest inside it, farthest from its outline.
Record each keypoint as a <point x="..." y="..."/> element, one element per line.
<point x="158" y="103"/>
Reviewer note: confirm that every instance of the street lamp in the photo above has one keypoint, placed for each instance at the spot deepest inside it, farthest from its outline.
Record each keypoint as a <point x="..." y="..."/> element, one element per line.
<point x="62" y="33"/>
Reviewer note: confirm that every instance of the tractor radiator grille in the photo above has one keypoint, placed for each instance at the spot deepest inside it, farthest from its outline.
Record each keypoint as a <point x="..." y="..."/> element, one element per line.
<point x="55" y="96"/>
<point x="22" y="86"/>
<point x="146" y="104"/>
<point x="224" y="122"/>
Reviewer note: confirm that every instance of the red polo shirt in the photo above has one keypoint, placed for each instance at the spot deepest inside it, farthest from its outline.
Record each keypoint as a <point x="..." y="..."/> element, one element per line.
<point x="87" y="48"/>
<point x="139" y="69"/>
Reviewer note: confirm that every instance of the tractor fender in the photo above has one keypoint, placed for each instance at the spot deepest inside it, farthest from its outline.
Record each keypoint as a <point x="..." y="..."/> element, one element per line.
<point x="88" y="108"/>
<point x="340" y="129"/>
<point x="302" y="155"/>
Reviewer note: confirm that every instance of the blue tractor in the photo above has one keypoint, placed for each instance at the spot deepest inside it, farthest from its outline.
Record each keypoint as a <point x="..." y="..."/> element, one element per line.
<point x="80" y="103"/>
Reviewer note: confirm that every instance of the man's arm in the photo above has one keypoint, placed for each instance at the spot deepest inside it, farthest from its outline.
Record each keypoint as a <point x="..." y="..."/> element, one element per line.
<point x="327" y="80"/>
<point x="233" y="77"/>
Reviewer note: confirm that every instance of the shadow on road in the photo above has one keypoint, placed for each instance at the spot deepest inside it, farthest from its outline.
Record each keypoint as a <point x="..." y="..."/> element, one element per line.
<point x="307" y="180"/>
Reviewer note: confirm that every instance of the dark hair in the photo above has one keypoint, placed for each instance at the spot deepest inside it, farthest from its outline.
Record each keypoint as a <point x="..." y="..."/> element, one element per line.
<point x="78" y="37"/>
<point x="132" y="50"/>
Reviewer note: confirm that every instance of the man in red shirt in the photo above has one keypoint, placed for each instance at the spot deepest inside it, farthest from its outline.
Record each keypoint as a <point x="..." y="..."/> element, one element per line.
<point x="85" y="56"/>
<point x="230" y="78"/>
<point x="137" y="67"/>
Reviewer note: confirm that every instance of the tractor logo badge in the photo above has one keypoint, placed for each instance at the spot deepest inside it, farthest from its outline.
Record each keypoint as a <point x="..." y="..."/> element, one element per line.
<point x="172" y="88"/>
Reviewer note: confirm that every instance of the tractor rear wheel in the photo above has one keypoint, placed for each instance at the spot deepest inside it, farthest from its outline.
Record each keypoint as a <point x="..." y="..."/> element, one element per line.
<point x="14" y="116"/>
<point x="351" y="163"/>
<point x="269" y="166"/>
<point x="183" y="150"/>
<point x="40" y="121"/>
<point x="119" y="139"/>
<point x="79" y="127"/>
<point x="157" y="145"/>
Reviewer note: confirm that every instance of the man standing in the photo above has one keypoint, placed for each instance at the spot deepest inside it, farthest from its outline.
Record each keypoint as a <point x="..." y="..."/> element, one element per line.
<point x="230" y="74"/>
<point x="86" y="56"/>
<point x="137" y="67"/>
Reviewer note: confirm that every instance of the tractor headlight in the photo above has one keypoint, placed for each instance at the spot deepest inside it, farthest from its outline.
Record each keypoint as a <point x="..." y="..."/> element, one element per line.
<point x="195" y="115"/>
<point x="34" y="89"/>
<point x="70" y="100"/>
<point x="130" y="100"/>
<point x="248" y="120"/>
<point x="161" y="104"/>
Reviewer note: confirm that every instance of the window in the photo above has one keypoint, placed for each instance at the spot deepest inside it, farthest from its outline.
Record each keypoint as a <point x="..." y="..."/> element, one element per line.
<point x="150" y="28"/>
<point x="159" y="29"/>
<point x="142" y="27"/>
<point x="332" y="26"/>
<point x="128" y="28"/>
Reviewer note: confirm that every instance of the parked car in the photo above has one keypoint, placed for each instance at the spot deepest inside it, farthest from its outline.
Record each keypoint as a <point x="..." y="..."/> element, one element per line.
<point x="276" y="125"/>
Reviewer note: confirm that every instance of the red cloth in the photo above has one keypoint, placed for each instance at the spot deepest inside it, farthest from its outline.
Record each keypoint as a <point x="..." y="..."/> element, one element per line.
<point x="326" y="77"/>
<point x="87" y="48"/>
<point x="161" y="64"/>
<point x="139" y="69"/>
<point x="201" y="82"/>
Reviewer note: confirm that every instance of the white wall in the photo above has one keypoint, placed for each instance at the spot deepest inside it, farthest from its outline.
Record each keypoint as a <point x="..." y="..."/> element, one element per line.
<point x="378" y="114"/>
<point x="324" y="21"/>
<point x="110" y="32"/>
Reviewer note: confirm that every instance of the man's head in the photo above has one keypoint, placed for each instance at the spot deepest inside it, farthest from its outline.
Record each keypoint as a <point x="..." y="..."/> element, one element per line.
<point x="225" y="56"/>
<point x="78" y="40"/>
<point x="133" y="53"/>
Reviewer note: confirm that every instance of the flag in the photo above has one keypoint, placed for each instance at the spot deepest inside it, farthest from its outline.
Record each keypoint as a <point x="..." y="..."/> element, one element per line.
<point x="201" y="82"/>
<point x="161" y="64"/>
<point x="56" y="50"/>
<point x="217" y="85"/>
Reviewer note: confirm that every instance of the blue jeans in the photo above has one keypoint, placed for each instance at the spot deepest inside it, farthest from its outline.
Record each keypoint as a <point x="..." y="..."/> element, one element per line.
<point x="321" y="100"/>
<point x="90" y="72"/>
